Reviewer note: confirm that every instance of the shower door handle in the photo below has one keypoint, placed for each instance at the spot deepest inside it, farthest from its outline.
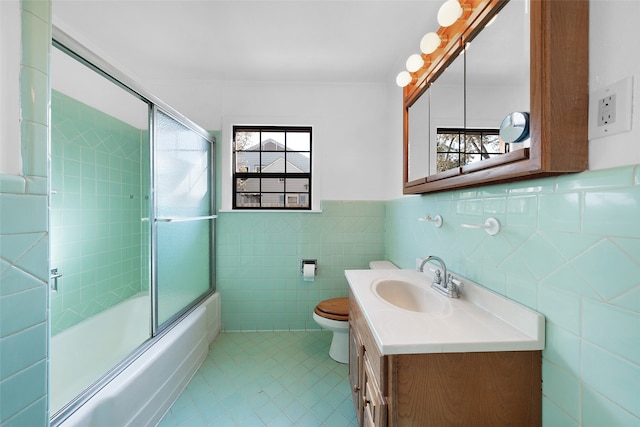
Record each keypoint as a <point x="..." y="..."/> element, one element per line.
<point x="54" y="279"/>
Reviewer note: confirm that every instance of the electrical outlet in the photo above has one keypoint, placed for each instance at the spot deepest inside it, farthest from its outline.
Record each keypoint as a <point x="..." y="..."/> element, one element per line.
<point x="607" y="110"/>
<point x="610" y="109"/>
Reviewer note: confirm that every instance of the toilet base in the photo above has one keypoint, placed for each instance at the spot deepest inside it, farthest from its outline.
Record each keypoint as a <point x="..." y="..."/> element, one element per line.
<point x="339" y="350"/>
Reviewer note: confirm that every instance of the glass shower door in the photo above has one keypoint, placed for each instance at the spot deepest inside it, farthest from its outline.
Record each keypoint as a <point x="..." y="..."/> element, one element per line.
<point x="100" y="300"/>
<point x="184" y="217"/>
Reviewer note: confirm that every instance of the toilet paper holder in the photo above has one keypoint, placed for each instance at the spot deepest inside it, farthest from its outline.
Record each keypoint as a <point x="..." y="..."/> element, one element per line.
<point x="304" y="262"/>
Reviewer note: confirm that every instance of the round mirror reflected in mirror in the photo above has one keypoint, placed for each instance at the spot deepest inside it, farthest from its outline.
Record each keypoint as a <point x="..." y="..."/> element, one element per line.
<point x="515" y="127"/>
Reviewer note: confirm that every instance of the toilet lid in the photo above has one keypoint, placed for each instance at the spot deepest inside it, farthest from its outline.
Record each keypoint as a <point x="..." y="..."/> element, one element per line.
<point x="335" y="309"/>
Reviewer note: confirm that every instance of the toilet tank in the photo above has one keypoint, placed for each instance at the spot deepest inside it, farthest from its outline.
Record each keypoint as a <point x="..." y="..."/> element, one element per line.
<point x="382" y="265"/>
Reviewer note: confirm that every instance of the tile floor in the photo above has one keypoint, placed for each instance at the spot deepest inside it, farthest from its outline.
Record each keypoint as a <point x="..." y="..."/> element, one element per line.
<point x="266" y="379"/>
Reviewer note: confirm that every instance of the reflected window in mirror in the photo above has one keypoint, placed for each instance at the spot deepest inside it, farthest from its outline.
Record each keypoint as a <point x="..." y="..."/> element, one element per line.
<point x="457" y="147"/>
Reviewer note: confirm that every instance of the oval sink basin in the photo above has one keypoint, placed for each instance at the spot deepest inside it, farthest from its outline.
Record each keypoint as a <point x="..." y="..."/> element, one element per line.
<point x="409" y="296"/>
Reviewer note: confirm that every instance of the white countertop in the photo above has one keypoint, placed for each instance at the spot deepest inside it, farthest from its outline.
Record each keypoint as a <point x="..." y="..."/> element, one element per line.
<point x="480" y="320"/>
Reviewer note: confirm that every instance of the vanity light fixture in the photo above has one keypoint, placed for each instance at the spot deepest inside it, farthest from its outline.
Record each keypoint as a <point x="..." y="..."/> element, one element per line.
<point x="429" y="43"/>
<point x="403" y="78"/>
<point x="414" y="63"/>
<point x="449" y="13"/>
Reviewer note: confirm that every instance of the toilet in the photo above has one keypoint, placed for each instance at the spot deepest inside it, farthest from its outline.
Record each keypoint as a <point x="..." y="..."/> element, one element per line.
<point x="333" y="315"/>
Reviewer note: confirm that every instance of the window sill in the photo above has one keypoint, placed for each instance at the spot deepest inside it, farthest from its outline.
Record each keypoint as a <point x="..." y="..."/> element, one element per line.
<point x="316" y="211"/>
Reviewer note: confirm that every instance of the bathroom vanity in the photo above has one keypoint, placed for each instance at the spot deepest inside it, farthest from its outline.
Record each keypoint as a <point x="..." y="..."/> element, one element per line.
<point x="473" y="360"/>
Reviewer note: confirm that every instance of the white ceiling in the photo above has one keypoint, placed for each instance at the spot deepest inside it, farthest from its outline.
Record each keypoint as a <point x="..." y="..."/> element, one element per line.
<point x="294" y="40"/>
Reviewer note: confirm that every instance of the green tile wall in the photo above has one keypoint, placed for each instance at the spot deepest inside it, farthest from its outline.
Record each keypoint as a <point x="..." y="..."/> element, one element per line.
<point x="258" y="255"/>
<point x="570" y="249"/>
<point x="24" y="239"/>
<point x="96" y="206"/>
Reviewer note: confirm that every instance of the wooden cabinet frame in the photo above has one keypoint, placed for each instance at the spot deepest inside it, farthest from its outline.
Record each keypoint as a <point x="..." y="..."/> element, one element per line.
<point x="559" y="95"/>
<point x="441" y="389"/>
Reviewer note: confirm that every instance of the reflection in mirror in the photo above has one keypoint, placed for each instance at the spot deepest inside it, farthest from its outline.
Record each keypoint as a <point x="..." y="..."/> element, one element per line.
<point x="497" y="79"/>
<point x="447" y="118"/>
<point x="418" y="137"/>
<point x="515" y="128"/>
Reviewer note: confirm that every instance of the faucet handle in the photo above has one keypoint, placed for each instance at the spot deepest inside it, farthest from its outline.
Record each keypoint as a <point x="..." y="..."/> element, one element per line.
<point x="455" y="283"/>
<point x="437" y="278"/>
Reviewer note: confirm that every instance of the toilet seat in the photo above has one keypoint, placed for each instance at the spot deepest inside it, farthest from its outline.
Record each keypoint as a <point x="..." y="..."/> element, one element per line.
<point x="334" y="309"/>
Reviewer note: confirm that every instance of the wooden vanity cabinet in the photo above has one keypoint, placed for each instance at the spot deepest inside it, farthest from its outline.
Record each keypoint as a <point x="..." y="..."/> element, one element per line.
<point x="442" y="389"/>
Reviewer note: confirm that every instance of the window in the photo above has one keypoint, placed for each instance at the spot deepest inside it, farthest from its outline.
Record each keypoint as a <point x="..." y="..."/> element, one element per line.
<point x="272" y="167"/>
<point x="458" y="147"/>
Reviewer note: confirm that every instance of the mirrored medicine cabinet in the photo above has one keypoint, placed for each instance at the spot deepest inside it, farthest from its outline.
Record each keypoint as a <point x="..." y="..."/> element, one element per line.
<point x="517" y="64"/>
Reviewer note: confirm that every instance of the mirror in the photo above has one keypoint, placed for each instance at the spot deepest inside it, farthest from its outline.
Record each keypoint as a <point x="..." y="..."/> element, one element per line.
<point x="446" y="137"/>
<point x="440" y="107"/>
<point x="508" y="71"/>
<point x="496" y="80"/>
<point x="418" y="134"/>
<point x="463" y="108"/>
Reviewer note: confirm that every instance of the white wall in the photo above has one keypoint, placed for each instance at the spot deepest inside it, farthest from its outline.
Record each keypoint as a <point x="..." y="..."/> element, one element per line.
<point x="358" y="128"/>
<point x="614" y="37"/>
<point x="10" y="35"/>
<point x="351" y="138"/>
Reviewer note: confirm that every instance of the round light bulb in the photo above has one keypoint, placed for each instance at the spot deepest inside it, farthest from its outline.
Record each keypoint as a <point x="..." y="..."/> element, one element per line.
<point x="429" y="43"/>
<point x="449" y="13"/>
<point x="403" y="78"/>
<point x="414" y="63"/>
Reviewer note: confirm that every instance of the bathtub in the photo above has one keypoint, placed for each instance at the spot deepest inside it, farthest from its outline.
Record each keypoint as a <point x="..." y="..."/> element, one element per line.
<point x="142" y="393"/>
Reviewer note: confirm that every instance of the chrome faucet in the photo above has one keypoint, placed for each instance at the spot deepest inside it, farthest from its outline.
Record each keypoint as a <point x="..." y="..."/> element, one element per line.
<point x="445" y="283"/>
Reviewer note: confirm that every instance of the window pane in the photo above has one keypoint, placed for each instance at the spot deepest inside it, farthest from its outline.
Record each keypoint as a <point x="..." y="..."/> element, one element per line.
<point x="297" y="200"/>
<point x="447" y="161"/>
<point x="273" y="141"/>
<point x="272" y="200"/>
<point x="272" y="185"/>
<point x="473" y="143"/>
<point x="299" y="141"/>
<point x="298" y="163"/>
<point x="248" y="184"/>
<point x="248" y="200"/>
<point x="248" y="161"/>
<point x="247" y="140"/>
<point x="300" y="185"/>
<point x="492" y="142"/>
<point x="273" y="162"/>
<point x="470" y="158"/>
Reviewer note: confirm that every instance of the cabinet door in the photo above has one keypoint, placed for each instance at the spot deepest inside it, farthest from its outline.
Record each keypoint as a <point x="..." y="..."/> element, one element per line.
<point x="356" y="354"/>
<point x="374" y="404"/>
